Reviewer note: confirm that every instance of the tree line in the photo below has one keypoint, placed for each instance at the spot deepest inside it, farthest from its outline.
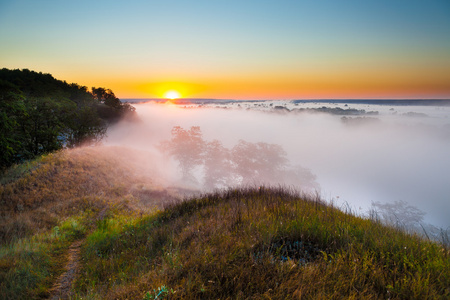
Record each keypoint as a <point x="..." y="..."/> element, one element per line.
<point x="40" y="114"/>
<point x="245" y="164"/>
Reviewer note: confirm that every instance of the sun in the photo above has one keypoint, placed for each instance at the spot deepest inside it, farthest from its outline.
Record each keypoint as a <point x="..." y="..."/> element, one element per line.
<point x="172" y="95"/>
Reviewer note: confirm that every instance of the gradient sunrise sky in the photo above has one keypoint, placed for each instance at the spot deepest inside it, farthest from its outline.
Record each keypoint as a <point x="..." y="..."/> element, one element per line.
<point x="235" y="49"/>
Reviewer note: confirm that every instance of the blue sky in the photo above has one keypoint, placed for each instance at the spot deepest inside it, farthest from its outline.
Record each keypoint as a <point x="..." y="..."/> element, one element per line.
<point x="223" y="46"/>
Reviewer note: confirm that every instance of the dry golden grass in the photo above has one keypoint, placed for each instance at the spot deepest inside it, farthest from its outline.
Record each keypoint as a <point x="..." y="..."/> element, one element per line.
<point x="64" y="183"/>
<point x="251" y="243"/>
<point x="37" y="198"/>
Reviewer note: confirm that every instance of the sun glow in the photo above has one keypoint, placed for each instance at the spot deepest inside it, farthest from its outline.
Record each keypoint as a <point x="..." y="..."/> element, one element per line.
<point x="172" y="95"/>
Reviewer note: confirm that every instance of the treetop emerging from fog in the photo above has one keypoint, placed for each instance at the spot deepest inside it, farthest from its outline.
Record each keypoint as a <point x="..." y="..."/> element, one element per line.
<point x="245" y="164"/>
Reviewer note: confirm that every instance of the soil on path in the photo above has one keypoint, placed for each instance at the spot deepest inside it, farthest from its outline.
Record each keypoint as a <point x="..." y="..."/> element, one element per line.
<point x="63" y="285"/>
<point x="62" y="288"/>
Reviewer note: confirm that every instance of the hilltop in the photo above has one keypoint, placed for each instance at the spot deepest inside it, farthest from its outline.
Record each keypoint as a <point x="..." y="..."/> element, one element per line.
<point x="128" y="235"/>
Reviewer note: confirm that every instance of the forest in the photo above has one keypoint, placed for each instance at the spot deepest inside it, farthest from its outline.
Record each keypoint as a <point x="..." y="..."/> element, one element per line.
<point x="40" y="114"/>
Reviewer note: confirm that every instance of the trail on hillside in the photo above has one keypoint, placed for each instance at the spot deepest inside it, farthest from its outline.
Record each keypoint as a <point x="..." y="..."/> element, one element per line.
<point x="63" y="286"/>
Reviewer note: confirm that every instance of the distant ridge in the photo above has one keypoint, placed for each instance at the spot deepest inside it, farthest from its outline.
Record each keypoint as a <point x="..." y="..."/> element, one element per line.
<point x="188" y="100"/>
<point x="418" y="102"/>
<point x="396" y="102"/>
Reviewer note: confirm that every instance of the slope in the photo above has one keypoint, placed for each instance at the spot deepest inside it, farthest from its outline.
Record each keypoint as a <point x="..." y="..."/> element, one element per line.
<point x="259" y="243"/>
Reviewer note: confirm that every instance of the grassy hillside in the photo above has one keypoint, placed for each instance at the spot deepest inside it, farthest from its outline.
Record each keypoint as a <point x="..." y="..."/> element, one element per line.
<point x="136" y="240"/>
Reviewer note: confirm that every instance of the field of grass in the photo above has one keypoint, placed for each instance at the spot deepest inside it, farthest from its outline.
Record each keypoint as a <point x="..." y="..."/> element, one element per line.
<point x="140" y="242"/>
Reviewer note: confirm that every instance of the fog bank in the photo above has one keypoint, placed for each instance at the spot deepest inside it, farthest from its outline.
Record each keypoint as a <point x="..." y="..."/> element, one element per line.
<point x="386" y="161"/>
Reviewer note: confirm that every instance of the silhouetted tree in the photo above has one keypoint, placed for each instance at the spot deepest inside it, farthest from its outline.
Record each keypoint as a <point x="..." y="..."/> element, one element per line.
<point x="258" y="163"/>
<point x="110" y="107"/>
<point x="218" y="166"/>
<point x="407" y="217"/>
<point x="187" y="147"/>
<point x="107" y="97"/>
<point x="399" y="214"/>
<point x="246" y="163"/>
<point x="85" y="127"/>
<point x="12" y="109"/>
<point x="43" y="125"/>
<point x="300" y="177"/>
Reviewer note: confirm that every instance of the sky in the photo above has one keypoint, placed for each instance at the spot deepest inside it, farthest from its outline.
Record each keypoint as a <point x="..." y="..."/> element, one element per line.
<point x="235" y="49"/>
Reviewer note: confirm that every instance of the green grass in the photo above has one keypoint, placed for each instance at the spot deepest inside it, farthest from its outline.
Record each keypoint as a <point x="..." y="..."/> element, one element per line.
<point x="257" y="243"/>
<point x="29" y="266"/>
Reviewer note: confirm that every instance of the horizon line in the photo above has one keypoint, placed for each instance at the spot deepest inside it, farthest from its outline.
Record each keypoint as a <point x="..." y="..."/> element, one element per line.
<point x="298" y="99"/>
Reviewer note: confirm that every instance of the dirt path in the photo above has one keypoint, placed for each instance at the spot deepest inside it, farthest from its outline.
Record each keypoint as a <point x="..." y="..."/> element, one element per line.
<point x="63" y="285"/>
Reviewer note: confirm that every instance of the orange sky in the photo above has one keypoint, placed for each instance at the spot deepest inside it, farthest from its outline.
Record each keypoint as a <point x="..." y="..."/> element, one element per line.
<point x="235" y="49"/>
<point x="310" y="85"/>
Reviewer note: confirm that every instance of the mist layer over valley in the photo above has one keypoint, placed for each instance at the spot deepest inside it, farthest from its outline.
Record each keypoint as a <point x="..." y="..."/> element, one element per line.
<point x="381" y="154"/>
<point x="129" y="219"/>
